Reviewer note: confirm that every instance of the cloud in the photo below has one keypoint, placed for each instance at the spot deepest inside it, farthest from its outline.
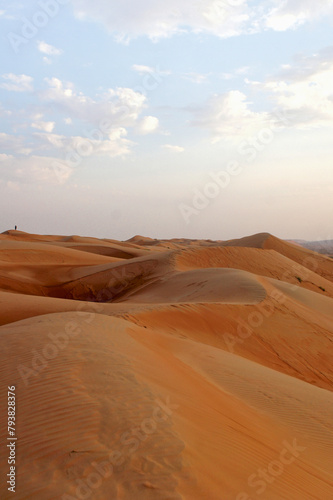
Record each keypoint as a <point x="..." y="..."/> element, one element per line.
<point x="299" y="96"/>
<point x="45" y="126"/>
<point x="195" y="77"/>
<point x="142" y="69"/>
<point x="52" y="157"/>
<point x="289" y="14"/>
<point x="174" y="149"/>
<point x="152" y="77"/>
<point x="129" y="19"/>
<point x="147" y="125"/>
<point x="224" y="18"/>
<point x="306" y="66"/>
<point x="5" y="112"/>
<point x="304" y="90"/>
<point x="47" y="49"/>
<point x="5" y="157"/>
<point x="12" y="143"/>
<point x="105" y="123"/>
<point x="122" y="106"/>
<point x="5" y="14"/>
<point x="17" y="83"/>
<point x="236" y="73"/>
<point x="34" y="169"/>
<point x="229" y="115"/>
<point x="74" y="149"/>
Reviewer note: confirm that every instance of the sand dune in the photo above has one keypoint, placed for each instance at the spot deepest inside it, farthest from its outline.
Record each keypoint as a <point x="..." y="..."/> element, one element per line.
<point x="202" y="285"/>
<point x="268" y="263"/>
<point x="318" y="263"/>
<point x="167" y="369"/>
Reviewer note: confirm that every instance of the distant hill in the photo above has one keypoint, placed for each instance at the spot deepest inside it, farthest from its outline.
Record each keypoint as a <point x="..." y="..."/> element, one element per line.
<point x="324" y="247"/>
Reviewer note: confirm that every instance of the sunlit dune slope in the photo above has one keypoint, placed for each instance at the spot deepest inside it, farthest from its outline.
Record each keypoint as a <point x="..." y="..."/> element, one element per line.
<point x="316" y="262"/>
<point x="174" y="419"/>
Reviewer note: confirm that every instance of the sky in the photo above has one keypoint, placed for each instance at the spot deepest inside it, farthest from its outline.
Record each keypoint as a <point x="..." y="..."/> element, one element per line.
<point x="197" y="119"/>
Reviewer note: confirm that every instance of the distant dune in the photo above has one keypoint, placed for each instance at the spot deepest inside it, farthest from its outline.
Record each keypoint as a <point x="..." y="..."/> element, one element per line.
<point x="167" y="369"/>
<point x="325" y="247"/>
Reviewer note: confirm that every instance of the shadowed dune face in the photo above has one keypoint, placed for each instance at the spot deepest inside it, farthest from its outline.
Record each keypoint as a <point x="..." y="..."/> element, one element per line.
<point x="155" y="369"/>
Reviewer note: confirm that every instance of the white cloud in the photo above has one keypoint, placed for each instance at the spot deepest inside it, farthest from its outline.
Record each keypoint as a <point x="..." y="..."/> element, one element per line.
<point x="75" y="149"/>
<point x="17" y="83"/>
<point x="121" y="106"/>
<point x="195" y="77"/>
<point x="130" y="18"/>
<point x="227" y="76"/>
<point x="229" y="116"/>
<point x="45" y="126"/>
<point x="13" y="143"/>
<point x="35" y="169"/>
<point x="301" y="96"/>
<point x="139" y="68"/>
<point x="224" y="18"/>
<point x="290" y="14"/>
<point x="47" y="49"/>
<point x="5" y="14"/>
<point x="107" y="118"/>
<point x="304" y="90"/>
<point x="174" y="149"/>
<point x="242" y="70"/>
<point x="52" y="157"/>
<point x="46" y="140"/>
<point x="5" y="112"/>
<point x="237" y="72"/>
<point x="147" y="125"/>
<point x="5" y="157"/>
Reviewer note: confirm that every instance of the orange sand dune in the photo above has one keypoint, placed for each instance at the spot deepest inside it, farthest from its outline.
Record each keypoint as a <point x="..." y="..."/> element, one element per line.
<point x="268" y="263"/>
<point x="202" y="285"/>
<point x="321" y="264"/>
<point x="166" y="369"/>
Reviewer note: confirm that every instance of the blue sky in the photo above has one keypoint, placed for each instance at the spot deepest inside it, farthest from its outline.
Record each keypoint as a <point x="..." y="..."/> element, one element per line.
<point x="208" y="119"/>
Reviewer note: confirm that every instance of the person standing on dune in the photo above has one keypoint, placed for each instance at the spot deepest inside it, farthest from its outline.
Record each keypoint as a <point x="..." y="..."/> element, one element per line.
<point x="15" y="228"/>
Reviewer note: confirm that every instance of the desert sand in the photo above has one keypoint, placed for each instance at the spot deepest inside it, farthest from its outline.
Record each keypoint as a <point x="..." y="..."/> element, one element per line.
<point x="166" y="369"/>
